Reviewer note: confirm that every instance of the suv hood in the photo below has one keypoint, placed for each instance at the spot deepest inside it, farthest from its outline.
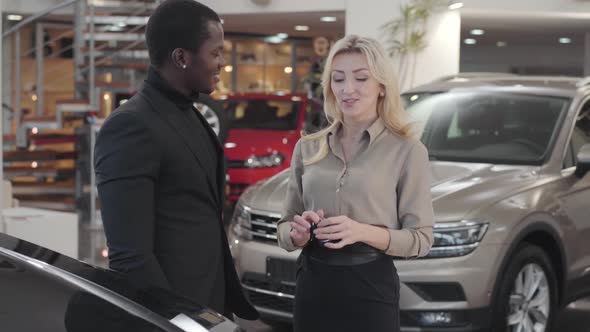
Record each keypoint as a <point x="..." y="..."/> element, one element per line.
<point x="457" y="188"/>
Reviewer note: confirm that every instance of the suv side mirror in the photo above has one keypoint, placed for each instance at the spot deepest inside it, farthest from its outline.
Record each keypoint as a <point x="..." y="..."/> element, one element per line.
<point x="583" y="164"/>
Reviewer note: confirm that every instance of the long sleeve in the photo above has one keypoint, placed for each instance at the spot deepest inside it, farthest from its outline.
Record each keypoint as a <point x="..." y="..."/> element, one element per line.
<point x="293" y="203"/>
<point x="126" y="165"/>
<point x="415" y="213"/>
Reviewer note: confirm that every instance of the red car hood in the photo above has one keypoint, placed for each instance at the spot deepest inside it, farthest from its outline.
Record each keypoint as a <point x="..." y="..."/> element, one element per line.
<point x="243" y="143"/>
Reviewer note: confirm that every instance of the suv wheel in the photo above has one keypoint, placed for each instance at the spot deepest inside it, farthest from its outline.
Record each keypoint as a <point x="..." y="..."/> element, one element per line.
<point x="527" y="297"/>
<point x="213" y="112"/>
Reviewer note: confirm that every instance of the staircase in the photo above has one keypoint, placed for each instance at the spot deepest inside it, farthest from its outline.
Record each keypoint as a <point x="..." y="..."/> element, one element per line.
<point x="98" y="62"/>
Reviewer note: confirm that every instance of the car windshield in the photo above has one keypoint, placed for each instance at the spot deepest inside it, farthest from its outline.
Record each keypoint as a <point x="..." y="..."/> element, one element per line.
<point x="262" y="114"/>
<point x="485" y="126"/>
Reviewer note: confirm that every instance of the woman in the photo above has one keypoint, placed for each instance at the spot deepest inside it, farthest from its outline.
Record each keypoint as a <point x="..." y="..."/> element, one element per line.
<point x="358" y="194"/>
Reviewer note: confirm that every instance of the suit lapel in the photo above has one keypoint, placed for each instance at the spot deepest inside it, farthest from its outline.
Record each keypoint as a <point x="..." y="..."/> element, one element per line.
<point x="181" y="125"/>
<point x="221" y="157"/>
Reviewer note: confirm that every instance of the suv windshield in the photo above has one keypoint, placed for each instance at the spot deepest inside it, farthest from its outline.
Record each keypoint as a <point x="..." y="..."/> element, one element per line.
<point x="484" y="126"/>
<point x="262" y="114"/>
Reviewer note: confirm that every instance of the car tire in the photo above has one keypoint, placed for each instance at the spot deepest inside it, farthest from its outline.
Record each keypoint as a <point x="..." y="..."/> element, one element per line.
<point x="527" y="280"/>
<point x="213" y="112"/>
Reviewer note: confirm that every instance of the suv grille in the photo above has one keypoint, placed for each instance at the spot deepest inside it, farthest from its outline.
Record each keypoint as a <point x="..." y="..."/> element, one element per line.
<point x="264" y="228"/>
<point x="262" y="293"/>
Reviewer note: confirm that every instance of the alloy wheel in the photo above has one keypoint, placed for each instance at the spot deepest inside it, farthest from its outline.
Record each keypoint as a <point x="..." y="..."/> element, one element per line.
<point x="210" y="116"/>
<point x="529" y="300"/>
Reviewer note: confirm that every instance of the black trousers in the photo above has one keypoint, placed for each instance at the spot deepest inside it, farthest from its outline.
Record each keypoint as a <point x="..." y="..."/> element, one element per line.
<point x="355" y="298"/>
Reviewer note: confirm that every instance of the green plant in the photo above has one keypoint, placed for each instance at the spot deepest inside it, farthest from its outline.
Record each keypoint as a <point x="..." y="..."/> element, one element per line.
<point x="406" y="35"/>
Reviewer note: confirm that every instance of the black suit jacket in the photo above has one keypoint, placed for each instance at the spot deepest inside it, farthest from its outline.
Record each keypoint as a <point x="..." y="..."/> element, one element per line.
<point x="162" y="199"/>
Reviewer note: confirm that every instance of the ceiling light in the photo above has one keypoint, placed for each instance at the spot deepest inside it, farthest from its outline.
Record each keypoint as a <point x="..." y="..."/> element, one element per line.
<point x="455" y="5"/>
<point x="477" y="32"/>
<point x="288" y="70"/>
<point x="274" y="40"/>
<point x="501" y="44"/>
<point x="14" y="17"/>
<point x="228" y="69"/>
<point x="328" y="19"/>
<point x="470" y="41"/>
<point x="122" y="24"/>
<point x="301" y="28"/>
<point x="282" y="35"/>
<point x="565" y="40"/>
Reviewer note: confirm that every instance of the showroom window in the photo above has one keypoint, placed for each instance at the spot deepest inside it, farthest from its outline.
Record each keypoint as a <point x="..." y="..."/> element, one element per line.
<point x="263" y="67"/>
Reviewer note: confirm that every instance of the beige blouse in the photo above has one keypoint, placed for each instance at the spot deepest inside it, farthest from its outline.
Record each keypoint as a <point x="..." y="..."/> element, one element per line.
<point x="387" y="183"/>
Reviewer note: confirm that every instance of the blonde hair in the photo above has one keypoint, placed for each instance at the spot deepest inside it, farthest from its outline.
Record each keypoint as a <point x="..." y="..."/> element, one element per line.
<point x="389" y="108"/>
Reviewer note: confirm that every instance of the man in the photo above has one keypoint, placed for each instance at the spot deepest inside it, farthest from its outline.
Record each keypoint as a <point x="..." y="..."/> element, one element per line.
<point x="160" y="168"/>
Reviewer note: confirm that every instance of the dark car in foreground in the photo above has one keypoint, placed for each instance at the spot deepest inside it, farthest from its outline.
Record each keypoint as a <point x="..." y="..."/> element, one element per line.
<point x="42" y="290"/>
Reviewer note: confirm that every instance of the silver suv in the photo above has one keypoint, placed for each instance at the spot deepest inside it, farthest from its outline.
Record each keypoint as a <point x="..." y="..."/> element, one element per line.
<point x="509" y="157"/>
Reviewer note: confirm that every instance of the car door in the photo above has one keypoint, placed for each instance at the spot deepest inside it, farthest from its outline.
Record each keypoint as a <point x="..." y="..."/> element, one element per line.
<point x="574" y="204"/>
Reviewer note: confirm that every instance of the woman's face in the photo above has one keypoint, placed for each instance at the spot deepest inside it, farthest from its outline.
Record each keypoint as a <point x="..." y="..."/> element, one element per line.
<point x="356" y="90"/>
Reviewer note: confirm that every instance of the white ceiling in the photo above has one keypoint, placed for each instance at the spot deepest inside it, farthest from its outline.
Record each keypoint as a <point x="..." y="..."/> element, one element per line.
<point x="274" y="23"/>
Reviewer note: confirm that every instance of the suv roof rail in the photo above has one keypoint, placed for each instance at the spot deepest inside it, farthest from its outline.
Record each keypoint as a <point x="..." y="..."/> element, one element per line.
<point x="469" y="75"/>
<point x="583" y="82"/>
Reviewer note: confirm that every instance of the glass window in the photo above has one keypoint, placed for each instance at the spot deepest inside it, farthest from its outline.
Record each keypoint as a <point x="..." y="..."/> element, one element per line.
<point x="225" y="84"/>
<point x="263" y="67"/>
<point x="478" y="126"/>
<point x="304" y="59"/>
<point x="262" y="114"/>
<point x="581" y="133"/>
<point x="279" y="68"/>
<point x="250" y="64"/>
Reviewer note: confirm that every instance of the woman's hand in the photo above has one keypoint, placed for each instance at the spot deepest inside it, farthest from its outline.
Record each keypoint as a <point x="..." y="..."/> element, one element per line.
<point x="301" y="225"/>
<point x="342" y="229"/>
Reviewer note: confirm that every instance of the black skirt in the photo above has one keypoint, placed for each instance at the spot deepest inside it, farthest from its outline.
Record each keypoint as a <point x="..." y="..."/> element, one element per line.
<point x="362" y="297"/>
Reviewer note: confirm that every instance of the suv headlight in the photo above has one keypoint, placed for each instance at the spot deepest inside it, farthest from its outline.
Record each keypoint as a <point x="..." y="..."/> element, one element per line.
<point x="457" y="239"/>
<point x="241" y="224"/>
<point x="269" y="160"/>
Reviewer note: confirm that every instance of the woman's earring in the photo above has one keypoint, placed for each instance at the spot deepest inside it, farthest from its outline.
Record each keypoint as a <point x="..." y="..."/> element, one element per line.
<point x="184" y="66"/>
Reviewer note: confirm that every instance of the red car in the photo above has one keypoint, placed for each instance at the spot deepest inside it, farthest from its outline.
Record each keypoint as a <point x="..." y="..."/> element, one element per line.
<point x="263" y="130"/>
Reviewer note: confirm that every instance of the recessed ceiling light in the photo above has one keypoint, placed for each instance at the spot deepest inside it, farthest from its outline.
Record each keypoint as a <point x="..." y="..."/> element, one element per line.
<point x="565" y="40"/>
<point x="470" y="41"/>
<point x="301" y="28"/>
<point x="328" y="19"/>
<point x="501" y="44"/>
<point x="477" y="32"/>
<point x="282" y="35"/>
<point x="274" y="39"/>
<point x="14" y="17"/>
<point x="456" y="5"/>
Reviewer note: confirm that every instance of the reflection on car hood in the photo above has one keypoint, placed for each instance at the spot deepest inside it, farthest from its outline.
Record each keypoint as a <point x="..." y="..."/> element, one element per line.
<point x="454" y="187"/>
<point x="166" y="304"/>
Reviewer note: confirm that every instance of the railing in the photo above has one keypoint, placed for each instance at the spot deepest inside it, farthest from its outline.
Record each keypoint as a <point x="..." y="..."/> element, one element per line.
<point x="16" y="31"/>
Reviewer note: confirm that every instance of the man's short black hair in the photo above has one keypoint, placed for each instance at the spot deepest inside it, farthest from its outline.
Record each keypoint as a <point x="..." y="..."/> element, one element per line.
<point x="177" y="24"/>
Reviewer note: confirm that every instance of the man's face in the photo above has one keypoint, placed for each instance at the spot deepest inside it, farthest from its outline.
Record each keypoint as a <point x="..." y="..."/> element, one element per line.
<point x="207" y="61"/>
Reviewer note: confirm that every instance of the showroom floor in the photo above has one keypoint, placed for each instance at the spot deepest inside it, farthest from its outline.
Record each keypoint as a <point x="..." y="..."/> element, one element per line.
<point x="576" y="318"/>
